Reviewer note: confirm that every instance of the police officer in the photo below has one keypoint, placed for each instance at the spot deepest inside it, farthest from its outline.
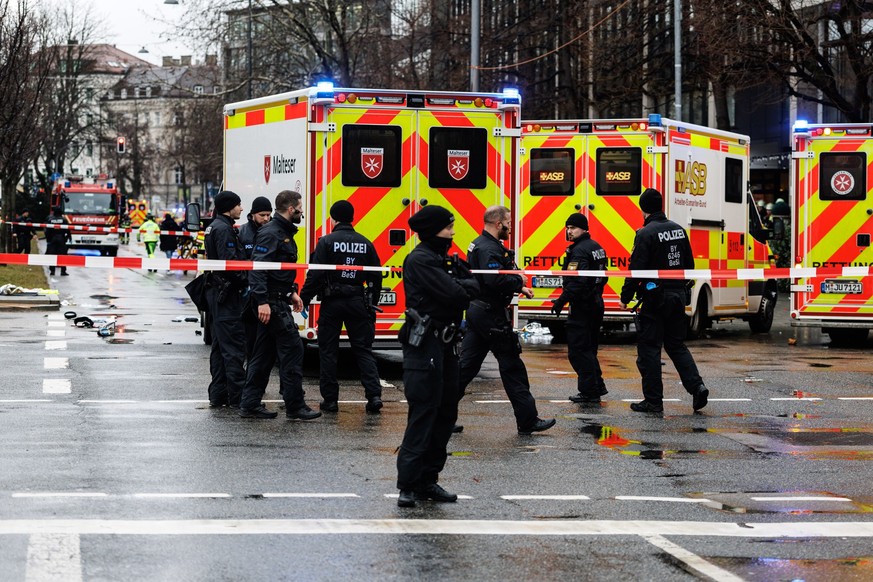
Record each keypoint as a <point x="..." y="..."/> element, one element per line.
<point x="347" y="297"/>
<point x="56" y="238"/>
<point x="259" y="215"/>
<point x="488" y="321"/>
<point x="274" y="295"/>
<point x="585" y="296"/>
<point x="224" y="296"/>
<point x="661" y="244"/>
<point x="24" y="233"/>
<point x="435" y="303"/>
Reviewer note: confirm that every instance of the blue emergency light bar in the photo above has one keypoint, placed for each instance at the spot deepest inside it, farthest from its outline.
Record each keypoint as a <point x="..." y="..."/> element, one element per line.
<point x="654" y="120"/>
<point x="324" y="89"/>
<point x="801" y="126"/>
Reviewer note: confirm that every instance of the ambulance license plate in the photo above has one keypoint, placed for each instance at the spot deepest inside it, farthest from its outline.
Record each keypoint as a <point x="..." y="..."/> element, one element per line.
<point x="552" y="282"/>
<point x="842" y="287"/>
<point x="388" y="298"/>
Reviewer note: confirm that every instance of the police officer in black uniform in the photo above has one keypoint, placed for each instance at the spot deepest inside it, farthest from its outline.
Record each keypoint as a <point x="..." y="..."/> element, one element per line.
<point x="224" y="296"/>
<point x="435" y="303"/>
<point x="259" y="215"/>
<point x="274" y="295"/>
<point x="488" y="321"/>
<point x="661" y="244"/>
<point x="585" y="296"/>
<point x="56" y="238"/>
<point x="347" y="297"/>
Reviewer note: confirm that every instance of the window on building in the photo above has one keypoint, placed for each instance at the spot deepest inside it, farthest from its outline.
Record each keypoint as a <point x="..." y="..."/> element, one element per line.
<point x="124" y="93"/>
<point x="110" y="95"/>
<point x="89" y="148"/>
<point x="89" y="93"/>
<point x="157" y="117"/>
<point x="148" y="91"/>
<point x="179" y="174"/>
<point x="198" y="89"/>
<point x="136" y="92"/>
<point x="178" y="119"/>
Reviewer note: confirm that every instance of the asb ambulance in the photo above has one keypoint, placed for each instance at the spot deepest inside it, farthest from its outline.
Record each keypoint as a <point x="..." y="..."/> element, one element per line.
<point x="389" y="153"/>
<point x="600" y="168"/>
<point x="831" y="225"/>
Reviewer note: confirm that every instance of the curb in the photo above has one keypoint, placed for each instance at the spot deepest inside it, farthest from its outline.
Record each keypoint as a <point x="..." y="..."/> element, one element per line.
<point x="30" y="302"/>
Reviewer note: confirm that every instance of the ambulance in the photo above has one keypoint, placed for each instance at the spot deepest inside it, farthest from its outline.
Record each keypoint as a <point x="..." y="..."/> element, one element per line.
<point x="600" y="168"/>
<point x="389" y="153"/>
<point x="831" y="223"/>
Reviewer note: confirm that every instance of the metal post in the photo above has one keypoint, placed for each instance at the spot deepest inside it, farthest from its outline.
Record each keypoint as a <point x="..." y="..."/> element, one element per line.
<point x="249" y="50"/>
<point x="677" y="59"/>
<point x="474" y="45"/>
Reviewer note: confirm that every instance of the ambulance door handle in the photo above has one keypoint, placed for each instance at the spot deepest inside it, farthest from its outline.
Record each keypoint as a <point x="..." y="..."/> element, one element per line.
<point x="590" y="207"/>
<point x="405" y="201"/>
<point x="870" y="211"/>
<point x="423" y="202"/>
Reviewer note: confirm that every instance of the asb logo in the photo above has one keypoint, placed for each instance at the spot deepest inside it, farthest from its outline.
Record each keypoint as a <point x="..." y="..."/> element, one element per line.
<point x="459" y="163"/>
<point x="267" y="169"/>
<point x="842" y="183"/>
<point x="690" y="178"/>
<point x="371" y="161"/>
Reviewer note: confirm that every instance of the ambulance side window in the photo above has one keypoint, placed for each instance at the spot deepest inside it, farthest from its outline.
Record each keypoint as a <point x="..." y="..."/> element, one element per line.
<point x="458" y="157"/>
<point x="371" y="155"/>
<point x="619" y="171"/>
<point x="552" y="171"/>
<point x="733" y="180"/>
<point x="843" y="176"/>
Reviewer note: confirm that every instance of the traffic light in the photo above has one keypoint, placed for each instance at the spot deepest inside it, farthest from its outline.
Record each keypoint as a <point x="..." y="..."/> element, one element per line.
<point x="119" y="144"/>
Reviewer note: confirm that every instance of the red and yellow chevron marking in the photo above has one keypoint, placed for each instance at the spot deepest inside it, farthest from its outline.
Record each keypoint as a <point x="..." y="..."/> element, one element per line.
<point x="826" y="232"/>
<point x="270" y="114"/>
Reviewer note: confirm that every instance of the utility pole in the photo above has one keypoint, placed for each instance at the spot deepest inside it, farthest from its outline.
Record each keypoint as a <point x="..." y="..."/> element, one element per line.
<point x="474" y="44"/>
<point x="677" y="59"/>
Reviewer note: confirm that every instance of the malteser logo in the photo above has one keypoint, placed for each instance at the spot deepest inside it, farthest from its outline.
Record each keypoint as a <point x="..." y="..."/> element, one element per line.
<point x="266" y="169"/>
<point x="372" y="161"/>
<point x="459" y="163"/>
<point x="690" y="180"/>
<point x="278" y="165"/>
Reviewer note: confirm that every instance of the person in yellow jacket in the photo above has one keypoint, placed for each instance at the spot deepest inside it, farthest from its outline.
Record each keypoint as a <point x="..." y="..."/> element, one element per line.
<point x="149" y="234"/>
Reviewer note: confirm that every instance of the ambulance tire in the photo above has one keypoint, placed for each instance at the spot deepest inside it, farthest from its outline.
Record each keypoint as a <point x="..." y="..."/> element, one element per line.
<point x="763" y="320"/>
<point x="847" y="337"/>
<point x="699" y="320"/>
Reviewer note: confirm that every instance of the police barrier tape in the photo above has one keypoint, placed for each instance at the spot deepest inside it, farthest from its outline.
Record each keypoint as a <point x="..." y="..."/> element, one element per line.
<point x="217" y="265"/>
<point x="86" y="228"/>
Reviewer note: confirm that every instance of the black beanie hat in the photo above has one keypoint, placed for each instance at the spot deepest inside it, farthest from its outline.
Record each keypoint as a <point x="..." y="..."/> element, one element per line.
<point x="342" y="211"/>
<point x="261" y="204"/>
<point x="578" y="220"/>
<point x="225" y="201"/>
<point x="651" y="201"/>
<point x="430" y="220"/>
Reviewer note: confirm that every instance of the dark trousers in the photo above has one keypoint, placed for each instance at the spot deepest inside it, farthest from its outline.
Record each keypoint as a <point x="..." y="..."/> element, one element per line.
<point x="23" y="244"/>
<point x="491" y="331"/>
<point x="430" y="383"/>
<point x="280" y="337"/>
<point x="228" y="350"/>
<point x="53" y="248"/>
<point x="663" y="323"/>
<point x="583" y="341"/>
<point x="360" y="326"/>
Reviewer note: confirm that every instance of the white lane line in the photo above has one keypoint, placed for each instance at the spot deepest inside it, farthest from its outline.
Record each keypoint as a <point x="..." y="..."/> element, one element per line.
<point x="669" y="499"/>
<point x="108" y="401"/>
<point x="55" y="363"/>
<point x="665" y="400"/>
<point x="55" y="494"/>
<point x="801" y="498"/>
<point x="308" y="495"/>
<point x="177" y="401"/>
<point x="53" y="557"/>
<point x="396" y="495"/>
<point x="55" y="333"/>
<point x="551" y="497"/>
<point x="791" y="529"/>
<point x="181" y="495"/>
<point x="730" y="399"/>
<point x="12" y="400"/>
<point x="55" y="345"/>
<point x="57" y="316"/>
<point x="855" y="398"/>
<point x="491" y="401"/>
<point x="692" y="561"/>
<point x="797" y="398"/>
<point x="56" y="324"/>
<point x="57" y="386"/>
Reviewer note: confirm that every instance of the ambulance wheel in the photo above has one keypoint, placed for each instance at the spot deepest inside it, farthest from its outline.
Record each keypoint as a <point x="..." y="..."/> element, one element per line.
<point x="699" y="320"/>
<point x="763" y="320"/>
<point x="848" y="337"/>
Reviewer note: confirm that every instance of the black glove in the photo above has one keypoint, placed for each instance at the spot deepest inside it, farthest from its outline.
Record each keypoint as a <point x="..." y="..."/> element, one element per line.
<point x="558" y="306"/>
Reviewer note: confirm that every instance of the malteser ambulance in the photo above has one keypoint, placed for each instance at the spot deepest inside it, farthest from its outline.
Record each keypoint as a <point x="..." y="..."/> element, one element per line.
<point x="600" y="167"/>
<point x="831" y="223"/>
<point x="389" y="153"/>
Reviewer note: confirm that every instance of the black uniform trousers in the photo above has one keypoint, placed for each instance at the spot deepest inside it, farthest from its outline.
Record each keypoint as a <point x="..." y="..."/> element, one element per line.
<point x="430" y="383"/>
<point x="583" y="340"/>
<point x="56" y="248"/>
<point x="280" y="337"/>
<point x="489" y="330"/>
<point x="355" y="314"/>
<point x="663" y="323"/>
<point x="228" y="349"/>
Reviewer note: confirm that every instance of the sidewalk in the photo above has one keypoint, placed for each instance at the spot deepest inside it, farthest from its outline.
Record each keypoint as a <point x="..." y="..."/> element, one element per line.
<point x="35" y="302"/>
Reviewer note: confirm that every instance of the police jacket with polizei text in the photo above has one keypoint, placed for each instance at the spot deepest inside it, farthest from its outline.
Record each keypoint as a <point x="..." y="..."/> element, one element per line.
<point x="56" y="236"/>
<point x="585" y="254"/>
<point x="222" y="244"/>
<point x="430" y="288"/>
<point x="274" y="243"/>
<point x="343" y="246"/>
<point x="247" y="234"/>
<point x="487" y="252"/>
<point x="660" y="244"/>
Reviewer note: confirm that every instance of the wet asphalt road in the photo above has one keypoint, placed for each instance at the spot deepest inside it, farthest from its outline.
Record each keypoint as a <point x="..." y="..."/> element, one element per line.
<point x="114" y="468"/>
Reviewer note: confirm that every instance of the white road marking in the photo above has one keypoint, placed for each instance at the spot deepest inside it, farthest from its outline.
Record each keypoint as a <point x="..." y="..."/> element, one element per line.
<point x="57" y="386"/>
<point x="790" y="529"/>
<point x="108" y="401"/>
<point x="559" y="372"/>
<point x="55" y="363"/>
<point x="801" y="498"/>
<point x="551" y="497"/>
<point x="53" y="557"/>
<point x="855" y="398"/>
<point x="11" y="400"/>
<point x="691" y="560"/>
<point x="798" y="398"/>
<point x="56" y="345"/>
<point x="491" y="401"/>
<point x="52" y="494"/>
<point x="670" y="499"/>
<point x="308" y="495"/>
<point x="57" y="316"/>
<point x="56" y="324"/>
<point x="176" y="401"/>
<point x="730" y="399"/>
<point x="396" y="495"/>
<point x="55" y="332"/>
<point x="665" y="400"/>
<point x="181" y="495"/>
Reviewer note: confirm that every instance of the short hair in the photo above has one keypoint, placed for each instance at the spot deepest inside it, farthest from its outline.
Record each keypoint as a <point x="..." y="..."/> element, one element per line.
<point x="287" y="199"/>
<point x="494" y="214"/>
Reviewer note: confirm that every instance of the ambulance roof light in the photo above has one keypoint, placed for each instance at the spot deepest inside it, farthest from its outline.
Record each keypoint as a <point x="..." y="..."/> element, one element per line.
<point x="801" y="126"/>
<point x="654" y="120"/>
<point x="511" y="92"/>
<point x="324" y="90"/>
<point x="511" y="97"/>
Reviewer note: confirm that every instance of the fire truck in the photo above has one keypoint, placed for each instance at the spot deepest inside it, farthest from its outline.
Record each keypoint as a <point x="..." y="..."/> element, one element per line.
<point x="600" y="168"/>
<point x="389" y="153"/>
<point x="94" y="203"/>
<point x="831" y="225"/>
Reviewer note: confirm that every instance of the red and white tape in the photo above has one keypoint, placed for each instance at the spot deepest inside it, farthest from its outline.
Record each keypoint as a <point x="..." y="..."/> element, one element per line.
<point x="87" y="228"/>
